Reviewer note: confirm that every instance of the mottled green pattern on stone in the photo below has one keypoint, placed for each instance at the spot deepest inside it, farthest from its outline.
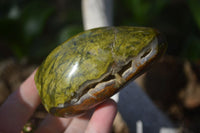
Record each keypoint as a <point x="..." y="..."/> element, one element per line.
<point x="89" y="55"/>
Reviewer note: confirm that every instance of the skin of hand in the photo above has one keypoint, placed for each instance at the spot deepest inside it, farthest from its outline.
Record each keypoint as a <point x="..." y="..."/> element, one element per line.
<point x="21" y="104"/>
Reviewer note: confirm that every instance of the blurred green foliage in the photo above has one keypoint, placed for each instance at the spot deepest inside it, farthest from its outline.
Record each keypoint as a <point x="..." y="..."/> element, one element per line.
<point x="191" y="50"/>
<point x="143" y="11"/>
<point x="178" y="20"/>
<point x="22" y="25"/>
<point x="33" y="28"/>
<point x="194" y="6"/>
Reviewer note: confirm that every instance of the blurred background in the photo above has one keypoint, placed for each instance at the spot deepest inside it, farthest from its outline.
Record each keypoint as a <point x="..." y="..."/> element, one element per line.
<point x="29" y="30"/>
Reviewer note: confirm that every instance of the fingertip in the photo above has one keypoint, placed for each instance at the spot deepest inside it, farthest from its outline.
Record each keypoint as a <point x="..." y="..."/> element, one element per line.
<point x="53" y="124"/>
<point x="110" y="103"/>
<point x="19" y="106"/>
<point x="103" y="117"/>
<point x="29" y="93"/>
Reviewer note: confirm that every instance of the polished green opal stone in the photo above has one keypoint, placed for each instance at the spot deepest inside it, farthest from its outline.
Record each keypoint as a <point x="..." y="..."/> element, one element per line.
<point x="88" y="59"/>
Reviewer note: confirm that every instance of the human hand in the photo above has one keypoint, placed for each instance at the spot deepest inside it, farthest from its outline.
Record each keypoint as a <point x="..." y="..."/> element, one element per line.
<point x="20" y="105"/>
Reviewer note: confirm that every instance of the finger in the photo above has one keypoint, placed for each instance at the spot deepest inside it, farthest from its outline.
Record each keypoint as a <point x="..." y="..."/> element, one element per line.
<point x="19" y="106"/>
<point x="103" y="117"/>
<point x="53" y="124"/>
<point x="79" y="124"/>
